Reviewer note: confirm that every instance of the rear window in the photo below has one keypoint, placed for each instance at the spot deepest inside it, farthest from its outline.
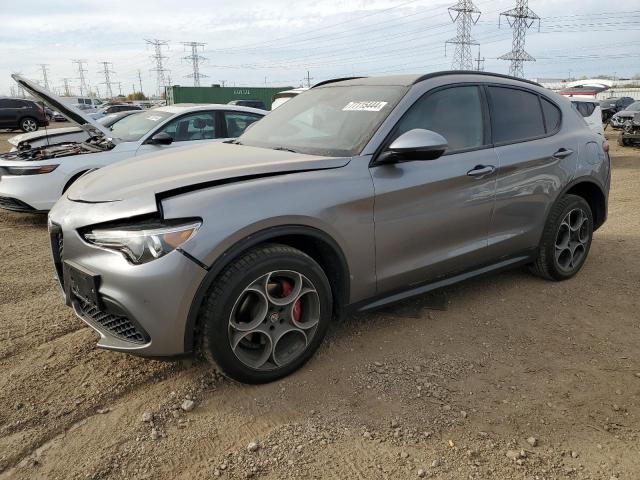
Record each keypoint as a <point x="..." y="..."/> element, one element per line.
<point x="515" y="115"/>
<point x="584" y="108"/>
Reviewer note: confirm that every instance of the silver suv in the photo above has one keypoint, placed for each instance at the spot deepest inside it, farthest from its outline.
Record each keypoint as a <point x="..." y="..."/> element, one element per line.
<point x="352" y="195"/>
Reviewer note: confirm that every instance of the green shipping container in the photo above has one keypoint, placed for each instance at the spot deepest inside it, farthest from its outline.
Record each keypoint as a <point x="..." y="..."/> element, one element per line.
<point x="218" y="94"/>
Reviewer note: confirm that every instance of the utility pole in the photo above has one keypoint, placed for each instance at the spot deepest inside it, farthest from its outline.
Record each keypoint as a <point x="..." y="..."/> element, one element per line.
<point x="520" y="18"/>
<point x="13" y="90"/>
<point x="464" y="14"/>
<point x="133" y="88"/>
<point x="195" y="60"/>
<point x="480" y="63"/>
<point x="120" y="89"/>
<point x="223" y="82"/>
<point x="140" y="81"/>
<point x="107" y="77"/>
<point x="66" y="87"/>
<point x="45" y="80"/>
<point x="158" y="58"/>
<point x="308" y="79"/>
<point x="81" y="77"/>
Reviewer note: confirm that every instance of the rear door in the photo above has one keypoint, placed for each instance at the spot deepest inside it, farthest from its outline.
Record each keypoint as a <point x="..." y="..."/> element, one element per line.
<point x="432" y="216"/>
<point x="535" y="159"/>
<point x="5" y="112"/>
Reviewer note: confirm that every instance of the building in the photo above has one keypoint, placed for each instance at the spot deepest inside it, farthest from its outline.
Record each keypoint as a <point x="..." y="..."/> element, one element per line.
<point x="218" y="94"/>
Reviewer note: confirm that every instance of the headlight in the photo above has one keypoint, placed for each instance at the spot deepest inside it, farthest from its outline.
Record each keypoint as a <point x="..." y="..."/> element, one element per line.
<point x="30" y="170"/>
<point x="143" y="243"/>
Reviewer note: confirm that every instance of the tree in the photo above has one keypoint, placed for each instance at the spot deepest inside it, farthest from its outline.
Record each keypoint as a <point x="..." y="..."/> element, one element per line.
<point x="136" y="96"/>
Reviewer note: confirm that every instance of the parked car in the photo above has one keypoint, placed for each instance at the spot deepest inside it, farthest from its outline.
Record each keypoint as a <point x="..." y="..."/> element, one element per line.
<point x="32" y="180"/>
<point x="619" y="119"/>
<point x="283" y="97"/>
<point x="114" y="109"/>
<point x="591" y="112"/>
<point x="19" y="113"/>
<point x="613" y="105"/>
<point x="259" y="104"/>
<point x="26" y="141"/>
<point x="354" y="195"/>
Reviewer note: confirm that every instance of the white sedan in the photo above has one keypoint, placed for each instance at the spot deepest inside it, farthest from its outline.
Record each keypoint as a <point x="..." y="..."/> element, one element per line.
<point x="32" y="180"/>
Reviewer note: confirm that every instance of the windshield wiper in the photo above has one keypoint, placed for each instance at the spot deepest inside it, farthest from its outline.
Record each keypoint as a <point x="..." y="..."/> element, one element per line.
<point x="284" y="149"/>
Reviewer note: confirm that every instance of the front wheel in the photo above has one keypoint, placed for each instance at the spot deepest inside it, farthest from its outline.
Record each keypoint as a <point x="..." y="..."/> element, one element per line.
<point x="28" y="125"/>
<point x="566" y="239"/>
<point x="266" y="314"/>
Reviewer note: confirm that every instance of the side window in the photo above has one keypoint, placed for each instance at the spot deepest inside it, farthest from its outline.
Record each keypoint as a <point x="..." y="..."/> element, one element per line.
<point x="515" y="115"/>
<point x="194" y="126"/>
<point x="13" y="103"/>
<point x="4" y="103"/>
<point x="552" y="115"/>
<point x="455" y="113"/>
<point x="237" y="122"/>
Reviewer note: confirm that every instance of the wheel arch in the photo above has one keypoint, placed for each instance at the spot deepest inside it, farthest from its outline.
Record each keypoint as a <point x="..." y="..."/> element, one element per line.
<point x="593" y="194"/>
<point x="314" y="242"/>
<point x="74" y="177"/>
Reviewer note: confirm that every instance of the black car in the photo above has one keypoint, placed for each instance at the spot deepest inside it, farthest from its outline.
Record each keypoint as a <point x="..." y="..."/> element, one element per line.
<point x="613" y="105"/>
<point x="26" y="115"/>
<point x="249" y="103"/>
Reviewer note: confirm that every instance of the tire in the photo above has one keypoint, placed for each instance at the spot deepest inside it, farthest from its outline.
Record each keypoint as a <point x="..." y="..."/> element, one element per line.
<point x="266" y="314"/>
<point x="566" y="239"/>
<point x="28" y="124"/>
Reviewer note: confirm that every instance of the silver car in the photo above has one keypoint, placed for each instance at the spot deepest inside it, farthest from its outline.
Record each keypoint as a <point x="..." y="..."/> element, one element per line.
<point x="352" y="195"/>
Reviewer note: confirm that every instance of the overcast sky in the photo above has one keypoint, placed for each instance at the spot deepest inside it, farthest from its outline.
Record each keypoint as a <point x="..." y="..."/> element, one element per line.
<point x="275" y="42"/>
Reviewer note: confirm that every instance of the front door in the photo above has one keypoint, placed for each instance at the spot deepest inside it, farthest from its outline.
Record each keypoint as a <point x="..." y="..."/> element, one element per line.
<point x="432" y="216"/>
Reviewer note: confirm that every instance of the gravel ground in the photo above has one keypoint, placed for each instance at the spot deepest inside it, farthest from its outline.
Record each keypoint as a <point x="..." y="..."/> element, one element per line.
<point x="516" y="378"/>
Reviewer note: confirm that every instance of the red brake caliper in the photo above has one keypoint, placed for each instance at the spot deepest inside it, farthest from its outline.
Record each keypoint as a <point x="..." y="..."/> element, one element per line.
<point x="287" y="288"/>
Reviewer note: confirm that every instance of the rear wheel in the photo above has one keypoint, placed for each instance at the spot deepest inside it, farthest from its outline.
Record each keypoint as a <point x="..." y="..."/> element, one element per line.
<point x="28" y="124"/>
<point x="266" y="314"/>
<point x="566" y="239"/>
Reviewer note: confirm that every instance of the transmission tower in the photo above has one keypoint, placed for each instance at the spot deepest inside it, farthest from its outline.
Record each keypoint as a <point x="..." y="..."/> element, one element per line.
<point x="107" y="78"/>
<point x="195" y="60"/>
<point x="66" y="87"/>
<point x="139" y="80"/>
<point x="465" y="15"/>
<point x="520" y="18"/>
<point x="158" y="58"/>
<point x="45" y="80"/>
<point x="479" y="63"/>
<point x="81" y="77"/>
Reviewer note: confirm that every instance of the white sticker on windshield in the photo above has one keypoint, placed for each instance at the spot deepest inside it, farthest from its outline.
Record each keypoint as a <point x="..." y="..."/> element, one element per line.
<point x="364" y="106"/>
<point x="154" y="118"/>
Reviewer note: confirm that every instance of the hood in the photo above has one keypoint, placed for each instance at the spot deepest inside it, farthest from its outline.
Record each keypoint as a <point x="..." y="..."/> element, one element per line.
<point x="626" y="113"/>
<point x="41" y="134"/>
<point x="72" y="114"/>
<point x="189" y="168"/>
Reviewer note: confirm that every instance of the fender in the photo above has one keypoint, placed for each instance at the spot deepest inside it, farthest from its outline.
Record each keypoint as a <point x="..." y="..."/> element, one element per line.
<point x="252" y="240"/>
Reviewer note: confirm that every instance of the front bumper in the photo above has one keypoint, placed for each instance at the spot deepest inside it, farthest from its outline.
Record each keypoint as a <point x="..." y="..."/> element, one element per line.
<point x="39" y="192"/>
<point x="618" y="122"/>
<point x="143" y="308"/>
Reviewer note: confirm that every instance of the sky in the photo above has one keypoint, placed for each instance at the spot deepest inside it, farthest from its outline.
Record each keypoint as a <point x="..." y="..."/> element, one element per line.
<point x="276" y="42"/>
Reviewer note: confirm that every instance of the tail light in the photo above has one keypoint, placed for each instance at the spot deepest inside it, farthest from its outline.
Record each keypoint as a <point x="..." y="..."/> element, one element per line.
<point x="605" y="146"/>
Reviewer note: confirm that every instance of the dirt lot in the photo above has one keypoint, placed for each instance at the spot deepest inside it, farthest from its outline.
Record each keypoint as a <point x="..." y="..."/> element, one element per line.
<point x="518" y="378"/>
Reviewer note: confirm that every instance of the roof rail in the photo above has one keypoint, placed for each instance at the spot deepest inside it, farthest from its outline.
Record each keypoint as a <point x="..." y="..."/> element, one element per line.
<point x="472" y="72"/>
<point x="333" y="80"/>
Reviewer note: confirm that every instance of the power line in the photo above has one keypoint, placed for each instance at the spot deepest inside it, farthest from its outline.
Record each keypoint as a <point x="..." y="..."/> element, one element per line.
<point x="158" y="58"/>
<point x="464" y="14"/>
<point x="520" y="18"/>
<point x="107" y="78"/>
<point x="195" y="60"/>
<point x="81" y="77"/>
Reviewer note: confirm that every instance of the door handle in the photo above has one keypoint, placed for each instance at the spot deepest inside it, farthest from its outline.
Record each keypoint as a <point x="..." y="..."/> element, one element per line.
<point x="562" y="153"/>
<point x="481" y="170"/>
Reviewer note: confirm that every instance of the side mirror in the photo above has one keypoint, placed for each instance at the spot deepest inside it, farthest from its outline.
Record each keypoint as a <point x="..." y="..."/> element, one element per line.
<point x="416" y="144"/>
<point x="161" y="138"/>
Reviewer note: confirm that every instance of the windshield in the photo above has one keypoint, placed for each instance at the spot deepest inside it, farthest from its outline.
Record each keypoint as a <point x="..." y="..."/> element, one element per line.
<point x="334" y="121"/>
<point x="634" y="107"/>
<point x="134" y="127"/>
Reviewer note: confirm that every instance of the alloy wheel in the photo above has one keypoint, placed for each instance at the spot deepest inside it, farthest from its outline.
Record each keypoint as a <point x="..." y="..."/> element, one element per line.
<point x="29" y="125"/>
<point x="274" y="319"/>
<point x="572" y="240"/>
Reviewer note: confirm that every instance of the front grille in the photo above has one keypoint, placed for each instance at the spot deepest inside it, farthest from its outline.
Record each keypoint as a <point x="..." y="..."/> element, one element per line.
<point x="118" y="325"/>
<point x="15" y="205"/>
<point x="57" y="247"/>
